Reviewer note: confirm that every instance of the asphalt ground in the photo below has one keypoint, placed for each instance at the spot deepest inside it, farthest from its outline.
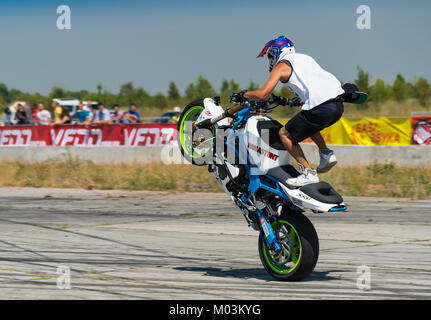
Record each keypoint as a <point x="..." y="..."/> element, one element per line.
<point x="156" y="245"/>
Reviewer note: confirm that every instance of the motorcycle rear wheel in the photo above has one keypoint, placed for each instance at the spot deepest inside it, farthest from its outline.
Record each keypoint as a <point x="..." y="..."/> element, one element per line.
<point x="196" y="155"/>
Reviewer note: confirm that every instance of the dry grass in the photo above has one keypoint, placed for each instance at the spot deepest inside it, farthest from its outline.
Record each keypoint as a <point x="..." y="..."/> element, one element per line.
<point x="377" y="180"/>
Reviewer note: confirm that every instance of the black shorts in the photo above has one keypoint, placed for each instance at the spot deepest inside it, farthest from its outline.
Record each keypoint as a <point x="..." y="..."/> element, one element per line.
<point x="308" y="122"/>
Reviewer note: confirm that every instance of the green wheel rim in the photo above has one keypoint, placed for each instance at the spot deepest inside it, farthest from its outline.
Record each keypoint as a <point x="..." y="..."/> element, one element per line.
<point x="296" y="252"/>
<point x="187" y="147"/>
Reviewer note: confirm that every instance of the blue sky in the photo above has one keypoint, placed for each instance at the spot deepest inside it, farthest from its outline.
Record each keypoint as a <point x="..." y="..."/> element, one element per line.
<point x="154" y="42"/>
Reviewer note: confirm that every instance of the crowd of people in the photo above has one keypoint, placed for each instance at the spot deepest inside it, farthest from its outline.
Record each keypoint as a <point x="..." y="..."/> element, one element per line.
<point x="86" y="114"/>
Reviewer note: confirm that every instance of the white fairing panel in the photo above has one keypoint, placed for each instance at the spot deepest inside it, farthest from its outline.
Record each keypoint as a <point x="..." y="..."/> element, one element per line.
<point x="300" y="199"/>
<point x="261" y="153"/>
<point x="211" y="111"/>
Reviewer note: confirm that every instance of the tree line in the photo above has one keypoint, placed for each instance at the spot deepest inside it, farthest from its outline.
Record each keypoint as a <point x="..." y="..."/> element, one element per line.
<point x="128" y="93"/>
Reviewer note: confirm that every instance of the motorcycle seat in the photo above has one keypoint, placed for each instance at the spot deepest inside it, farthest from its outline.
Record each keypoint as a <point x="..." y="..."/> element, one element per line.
<point x="283" y="173"/>
<point x="273" y="128"/>
<point x="323" y="192"/>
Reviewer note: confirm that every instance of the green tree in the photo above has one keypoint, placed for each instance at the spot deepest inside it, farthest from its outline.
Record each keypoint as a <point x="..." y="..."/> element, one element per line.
<point x="234" y="86"/>
<point x="159" y="101"/>
<point x="400" y="89"/>
<point x="173" y="92"/>
<point x="4" y="93"/>
<point x="362" y="80"/>
<point x="224" y="86"/>
<point x="57" y="92"/>
<point x="379" y="91"/>
<point x="252" y="86"/>
<point x="199" y="90"/>
<point x="422" y="90"/>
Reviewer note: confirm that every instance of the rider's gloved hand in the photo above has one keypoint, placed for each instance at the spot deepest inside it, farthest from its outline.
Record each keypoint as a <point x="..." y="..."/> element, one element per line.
<point x="278" y="100"/>
<point x="295" y="102"/>
<point x="237" y="97"/>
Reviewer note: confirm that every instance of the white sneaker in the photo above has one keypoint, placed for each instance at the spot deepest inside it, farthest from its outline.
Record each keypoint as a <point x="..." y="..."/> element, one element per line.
<point x="307" y="176"/>
<point x="327" y="161"/>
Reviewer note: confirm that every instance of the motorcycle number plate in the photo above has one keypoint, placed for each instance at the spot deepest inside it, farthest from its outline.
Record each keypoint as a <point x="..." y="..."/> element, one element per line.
<point x="264" y="227"/>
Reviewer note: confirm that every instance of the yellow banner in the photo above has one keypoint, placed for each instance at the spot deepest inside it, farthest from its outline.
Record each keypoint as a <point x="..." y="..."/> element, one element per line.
<point x="368" y="131"/>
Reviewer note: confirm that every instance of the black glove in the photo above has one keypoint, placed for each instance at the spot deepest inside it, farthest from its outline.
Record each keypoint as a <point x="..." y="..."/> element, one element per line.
<point x="280" y="101"/>
<point x="238" y="97"/>
<point x="295" y="102"/>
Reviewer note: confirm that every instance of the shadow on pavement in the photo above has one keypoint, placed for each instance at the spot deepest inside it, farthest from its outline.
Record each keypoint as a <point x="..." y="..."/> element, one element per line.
<point x="256" y="273"/>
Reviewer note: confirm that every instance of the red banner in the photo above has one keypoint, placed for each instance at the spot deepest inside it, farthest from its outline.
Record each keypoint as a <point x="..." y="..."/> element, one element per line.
<point x="147" y="135"/>
<point x="421" y="130"/>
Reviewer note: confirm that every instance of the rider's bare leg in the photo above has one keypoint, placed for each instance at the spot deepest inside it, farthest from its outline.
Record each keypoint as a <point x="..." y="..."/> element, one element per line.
<point x="319" y="141"/>
<point x="294" y="149"/>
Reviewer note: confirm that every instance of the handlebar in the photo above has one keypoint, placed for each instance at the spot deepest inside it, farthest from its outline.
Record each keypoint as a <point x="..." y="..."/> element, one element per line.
<point x="273" y="100"/>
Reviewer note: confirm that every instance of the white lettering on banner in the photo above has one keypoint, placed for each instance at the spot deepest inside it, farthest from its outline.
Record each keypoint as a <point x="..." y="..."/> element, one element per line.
<point x="16" y="137"/>
<point x="56" y="138"/>
<point x="147" y="137"/>
<point x="140" y="137"/>
<point x="167" y="135"/>
<point x="82" y="133"/>
<point x="129" y="138"/>
<point x="155" y="133"/>
<point x="69" y="136"/>
<point x="77" y="136"/>
<point x="96" y="132"/>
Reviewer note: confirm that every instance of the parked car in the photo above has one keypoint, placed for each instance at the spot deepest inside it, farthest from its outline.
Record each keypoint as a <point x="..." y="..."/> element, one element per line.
<point x="72" y="104"/>
<point x="164" y="118"/>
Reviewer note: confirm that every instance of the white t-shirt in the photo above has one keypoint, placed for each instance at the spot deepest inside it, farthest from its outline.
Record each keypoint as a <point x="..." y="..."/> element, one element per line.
<point x="310" y="82"/>
<point x="43" y="116"/>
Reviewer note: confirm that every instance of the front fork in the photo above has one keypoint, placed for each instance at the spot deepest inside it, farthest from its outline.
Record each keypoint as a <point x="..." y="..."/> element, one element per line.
<point x="268" y="232"/>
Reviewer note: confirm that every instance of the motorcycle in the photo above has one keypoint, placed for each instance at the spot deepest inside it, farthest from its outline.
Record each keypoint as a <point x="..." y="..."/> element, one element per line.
<point x="242" y="149"/>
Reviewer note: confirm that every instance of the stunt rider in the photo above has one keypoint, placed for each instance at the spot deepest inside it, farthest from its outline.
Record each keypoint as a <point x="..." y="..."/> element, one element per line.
<point x="319" y="91"/>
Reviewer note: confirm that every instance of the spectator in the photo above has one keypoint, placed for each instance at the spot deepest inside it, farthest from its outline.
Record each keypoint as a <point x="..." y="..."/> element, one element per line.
<point x="29" y="112"/>
<point x="43" y="116"/>
<point x="89" y="106"/>
<point x="57" y="111"/>
<point x="176" y="117"/>
<point x="20" y="115"/>
<point x="103" y="115"/>
<point x="93" y="116"/>
<point x="65" y="117"/>
<point x="131" y="116"/>
<point x="83" y="116"/>
<point x="7" y="119"/>
<point x="116" y="114"/>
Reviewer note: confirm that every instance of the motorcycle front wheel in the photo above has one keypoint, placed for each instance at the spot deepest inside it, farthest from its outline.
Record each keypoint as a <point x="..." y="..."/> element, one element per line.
<point x="300" y="248"/>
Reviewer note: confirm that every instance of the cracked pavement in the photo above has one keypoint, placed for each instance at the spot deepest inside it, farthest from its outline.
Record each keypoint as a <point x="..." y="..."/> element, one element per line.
<point x="157" y="245"/>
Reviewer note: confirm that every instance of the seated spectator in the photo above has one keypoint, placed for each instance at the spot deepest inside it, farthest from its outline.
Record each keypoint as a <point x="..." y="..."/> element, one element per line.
<point x="116" y="114"/>
<point x="65" y="117"/>
<point x="103" y="115"/>
<point x="83" y="116"/>
<point x="43" y="116"/>
<point x="57" y="111"/>
<point x="132" y="116"/>
<point x="176" y="117"/>
<point x="21" y="115"/>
